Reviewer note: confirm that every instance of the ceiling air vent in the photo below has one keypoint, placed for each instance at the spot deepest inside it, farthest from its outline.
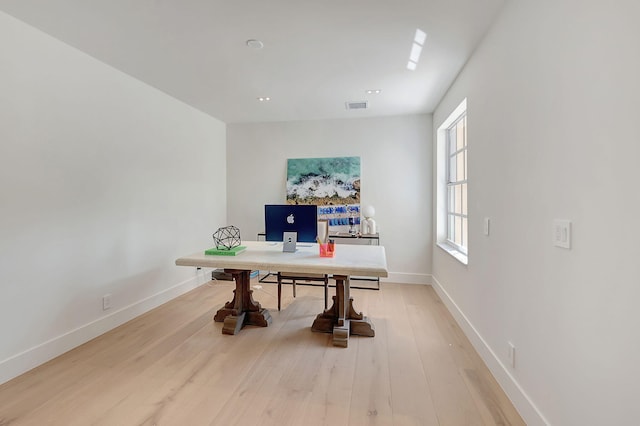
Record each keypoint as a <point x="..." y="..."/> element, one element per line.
<point x="357" y="105"/>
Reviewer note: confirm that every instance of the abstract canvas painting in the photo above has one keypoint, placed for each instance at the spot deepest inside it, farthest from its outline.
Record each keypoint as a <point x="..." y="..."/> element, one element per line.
<point x="323" y="181"/>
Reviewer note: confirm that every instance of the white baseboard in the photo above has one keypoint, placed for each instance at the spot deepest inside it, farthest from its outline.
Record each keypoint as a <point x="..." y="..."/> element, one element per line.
<point x="525" y="406"/>
<point x="33" y="357"/>
<point x="406" y="278"/>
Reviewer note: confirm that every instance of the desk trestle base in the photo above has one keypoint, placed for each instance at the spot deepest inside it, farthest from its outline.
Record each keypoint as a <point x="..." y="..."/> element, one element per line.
<point x="350" y="322"/>
<point x="233" y="323"/>
<point x="242" y="310"/>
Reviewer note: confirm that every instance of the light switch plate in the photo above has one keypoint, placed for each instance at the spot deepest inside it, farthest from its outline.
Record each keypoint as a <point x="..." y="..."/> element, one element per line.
<point x="487" y="221"/>
<point x="562" y="233"/>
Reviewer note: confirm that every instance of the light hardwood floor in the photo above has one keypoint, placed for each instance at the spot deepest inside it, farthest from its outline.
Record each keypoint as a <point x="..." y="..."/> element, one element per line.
<point x="172" y="366"/>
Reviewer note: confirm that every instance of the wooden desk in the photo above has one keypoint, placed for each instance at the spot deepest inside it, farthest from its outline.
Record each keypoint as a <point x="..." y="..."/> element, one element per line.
<point x="341" y="319"/>
<point x="370" y="239"/>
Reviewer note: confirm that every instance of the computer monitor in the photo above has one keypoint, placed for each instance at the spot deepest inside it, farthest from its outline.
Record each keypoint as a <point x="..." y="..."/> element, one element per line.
<point x="280" y="218"/>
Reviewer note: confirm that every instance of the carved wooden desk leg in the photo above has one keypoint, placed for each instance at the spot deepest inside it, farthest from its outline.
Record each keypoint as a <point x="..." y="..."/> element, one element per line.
<point x="342" y="319"/>
<point x="341" y="327"/>
<point x="242" y="309"/>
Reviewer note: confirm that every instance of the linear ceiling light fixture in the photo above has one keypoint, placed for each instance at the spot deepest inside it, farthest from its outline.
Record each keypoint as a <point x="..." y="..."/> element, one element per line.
<point x="416" y="49"/>
<point x="264" y="98"/>
<point x="373" y="91"/>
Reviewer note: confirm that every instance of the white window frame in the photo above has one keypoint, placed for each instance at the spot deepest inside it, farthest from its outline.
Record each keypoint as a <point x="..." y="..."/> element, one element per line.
<point x="454" y="155"/>
<point x="445" y="217"/>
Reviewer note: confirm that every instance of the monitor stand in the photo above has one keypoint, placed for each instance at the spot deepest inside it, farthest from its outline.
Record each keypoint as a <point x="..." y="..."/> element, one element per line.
<point x="289" y="240"/>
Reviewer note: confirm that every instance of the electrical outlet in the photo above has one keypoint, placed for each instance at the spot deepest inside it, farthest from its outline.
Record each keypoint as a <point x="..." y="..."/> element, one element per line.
<point x="511" y="355"/>
<point x="106" y="302"/>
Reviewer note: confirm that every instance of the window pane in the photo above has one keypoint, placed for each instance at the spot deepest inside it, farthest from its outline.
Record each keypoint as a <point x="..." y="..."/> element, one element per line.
<point x="454" y="206"/>
<point x="458" y="197"/>
<point x="452" y="169"/>
<point x="464" y="199"/>
<point x="460" y="135"/>
<point x="458" y="230"/>
<point x="452" y="140"/>
<point x="465" y="242"/>
<point x="451" y="201"/>
<point x="460" y="166"/>
<point x="466" y="160"/>
<point x="450" y="228"/>
<point x="466" y="141"/>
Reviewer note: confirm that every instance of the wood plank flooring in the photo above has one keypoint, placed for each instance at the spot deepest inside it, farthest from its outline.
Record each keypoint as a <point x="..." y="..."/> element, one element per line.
<point x="173" y="366"/>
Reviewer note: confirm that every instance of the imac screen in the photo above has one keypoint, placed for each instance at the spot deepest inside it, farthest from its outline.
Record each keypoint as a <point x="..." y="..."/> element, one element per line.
<point x="279" y="218"/>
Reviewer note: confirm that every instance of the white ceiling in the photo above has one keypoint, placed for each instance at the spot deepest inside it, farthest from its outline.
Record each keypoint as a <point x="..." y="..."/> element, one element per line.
<point x="317" y="55"/>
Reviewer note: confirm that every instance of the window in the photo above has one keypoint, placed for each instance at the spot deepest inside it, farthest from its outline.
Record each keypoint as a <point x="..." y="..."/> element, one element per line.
<point x="452" y="217"/>
<point x="457" y="183"/>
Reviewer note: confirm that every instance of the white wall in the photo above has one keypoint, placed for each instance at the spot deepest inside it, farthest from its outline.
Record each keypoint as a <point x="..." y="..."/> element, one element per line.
<point x="553" y="104"/>
<point x="104" y="182"/>
<point x="396" y="177"/>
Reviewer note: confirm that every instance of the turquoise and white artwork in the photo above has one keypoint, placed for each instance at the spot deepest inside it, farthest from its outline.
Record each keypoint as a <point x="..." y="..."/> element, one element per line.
<point x="323" y="181"/>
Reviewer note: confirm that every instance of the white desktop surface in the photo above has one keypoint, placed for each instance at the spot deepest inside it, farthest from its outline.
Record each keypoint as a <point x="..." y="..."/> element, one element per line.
<point x="369" y="261"/>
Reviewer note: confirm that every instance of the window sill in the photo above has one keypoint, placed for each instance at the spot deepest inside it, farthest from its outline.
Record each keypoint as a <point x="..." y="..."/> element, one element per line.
<point x="460" y="257"/>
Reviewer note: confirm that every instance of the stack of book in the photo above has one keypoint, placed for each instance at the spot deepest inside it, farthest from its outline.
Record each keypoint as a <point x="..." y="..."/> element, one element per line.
<point x="223" y="251"/>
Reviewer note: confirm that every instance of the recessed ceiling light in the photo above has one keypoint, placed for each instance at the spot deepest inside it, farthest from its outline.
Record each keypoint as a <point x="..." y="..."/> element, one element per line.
<point x="255" y="44"/>
<point x="373" y="91"/>
<point x="264" y="98"/>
